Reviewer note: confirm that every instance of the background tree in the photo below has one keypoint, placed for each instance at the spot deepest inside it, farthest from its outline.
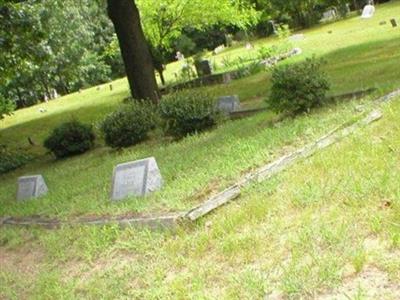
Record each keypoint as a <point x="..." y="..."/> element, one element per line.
<point x="165" y="20"/>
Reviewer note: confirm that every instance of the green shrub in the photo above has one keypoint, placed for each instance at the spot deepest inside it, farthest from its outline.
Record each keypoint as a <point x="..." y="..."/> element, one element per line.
<point x="187" y="112"/>
<point x="11" y="160"/>
<point x="299" y="87"/>
<point x="70" y="138"/>
<point x="129" y="125"/>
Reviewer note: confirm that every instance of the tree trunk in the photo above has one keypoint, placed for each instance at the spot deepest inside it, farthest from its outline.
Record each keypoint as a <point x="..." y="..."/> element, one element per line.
<point x="134" y="49"/>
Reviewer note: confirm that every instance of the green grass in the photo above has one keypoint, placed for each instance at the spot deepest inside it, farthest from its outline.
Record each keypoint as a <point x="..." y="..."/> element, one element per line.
<point x="313" y="230"/>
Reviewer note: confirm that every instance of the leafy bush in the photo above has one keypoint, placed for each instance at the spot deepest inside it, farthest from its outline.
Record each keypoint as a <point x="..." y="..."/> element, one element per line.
<point x="129" y="124"/>
<point x="11" y="160"/>
<point x="6" y="107"/>
<point x="70" y="138"/>
<point x="299" y="87"/>
<point x="187" y="112"/>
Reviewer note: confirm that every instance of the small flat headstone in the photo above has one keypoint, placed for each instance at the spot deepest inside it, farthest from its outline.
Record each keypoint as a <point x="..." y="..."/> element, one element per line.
<point x="382" y="23"/>
<point x="31" y="187"/>
<point x="228" y="104"/>
<point x="137" y="178"/>
<point x="393" y="22"/>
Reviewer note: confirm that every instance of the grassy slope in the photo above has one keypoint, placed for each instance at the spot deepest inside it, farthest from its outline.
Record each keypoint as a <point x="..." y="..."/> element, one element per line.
<point x="233" y="149"/>
<point x="300" y="236"/>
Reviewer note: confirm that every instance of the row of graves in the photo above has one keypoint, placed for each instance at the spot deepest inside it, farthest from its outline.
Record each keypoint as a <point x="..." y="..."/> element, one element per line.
<point x="131" y="179"/>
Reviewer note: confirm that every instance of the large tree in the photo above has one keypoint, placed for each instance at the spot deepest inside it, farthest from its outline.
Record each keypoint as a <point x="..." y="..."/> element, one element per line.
<point x="134" y="49"/>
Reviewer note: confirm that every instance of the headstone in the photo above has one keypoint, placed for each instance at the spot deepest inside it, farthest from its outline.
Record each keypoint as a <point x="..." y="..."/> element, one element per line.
<point x="203" y="68"/>
<point x="249" y="46"/>
<point x="368" y="11"/>
<point x="271" y="27"/>
<point x="393" y="22"/>
<point x="179" y="56"/>
<point x="111" y="87"/>
<point x="31" y="187"/>
<point x="382" y="23"/>
<point x="228" y="104"/>
<point x="219" y="49"/>
<point x="297" y="37"/>
<point x="329" y="15"/>
<point x="137" y="178"/>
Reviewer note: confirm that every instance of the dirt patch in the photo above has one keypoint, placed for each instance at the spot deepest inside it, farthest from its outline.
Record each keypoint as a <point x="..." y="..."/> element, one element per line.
<point x="371" y="283"/>
<point x="25" y="260"/>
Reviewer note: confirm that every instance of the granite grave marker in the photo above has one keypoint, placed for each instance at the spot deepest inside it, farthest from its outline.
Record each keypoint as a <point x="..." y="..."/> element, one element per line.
<point x="31" y="187"/>
<point x="228" y="104"/>
<point x="137" y="178"/>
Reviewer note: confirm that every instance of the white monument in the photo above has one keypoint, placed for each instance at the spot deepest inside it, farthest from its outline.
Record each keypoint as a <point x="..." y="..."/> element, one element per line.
<point x="368" y="11"/>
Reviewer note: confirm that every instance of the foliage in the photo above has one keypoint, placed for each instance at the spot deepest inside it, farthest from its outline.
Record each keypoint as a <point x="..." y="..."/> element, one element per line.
<point x="11" y="160"/>
<point x="6" y="107"/>
<point x="70" y="138"/>
<point x="129" y="124"/>
<point x="164" y="21"/>
<point x="299" y="87"/>
<point x="49" y="45"/>
<point x="187" y="112"/>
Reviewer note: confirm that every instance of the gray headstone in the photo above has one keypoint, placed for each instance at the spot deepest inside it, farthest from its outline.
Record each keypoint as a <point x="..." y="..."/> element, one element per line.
<point x="393" y="22"/>
<point x="137" y="178"/>
<point x="228" y="104"/>
<point x="203" y="68"/>
<point x="31" y="187"/>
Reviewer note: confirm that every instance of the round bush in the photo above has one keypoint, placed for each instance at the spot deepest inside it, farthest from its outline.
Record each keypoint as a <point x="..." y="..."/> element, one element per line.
<point x="129" y="125"/>
<point x="187" y="112"/>
<point x="299" y="87"/>
<point x="70" y="138"/>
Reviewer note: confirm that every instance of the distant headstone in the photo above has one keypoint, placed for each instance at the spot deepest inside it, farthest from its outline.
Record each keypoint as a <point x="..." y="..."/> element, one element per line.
<point x="137" y="178"/>
<point x="111" y="87"/>
<point x="272" y="27"/>
<point x="228" y="104"/>
<point x="368" y="11"/>
<point x="297" y="37"/>
<point x="329" y="15"/>
<point x="219" y="49"/>
<point x="31" y="187"/>
<point x="393" y="22"/>
<point x="203" y="68"/>
<point x="249" y="46"/>
<point x="382" y="23"/>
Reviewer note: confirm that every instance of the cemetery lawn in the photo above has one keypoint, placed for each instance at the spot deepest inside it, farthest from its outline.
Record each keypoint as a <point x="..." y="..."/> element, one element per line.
<point x="359" y="53"/>
<point x="328" y="226"/>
